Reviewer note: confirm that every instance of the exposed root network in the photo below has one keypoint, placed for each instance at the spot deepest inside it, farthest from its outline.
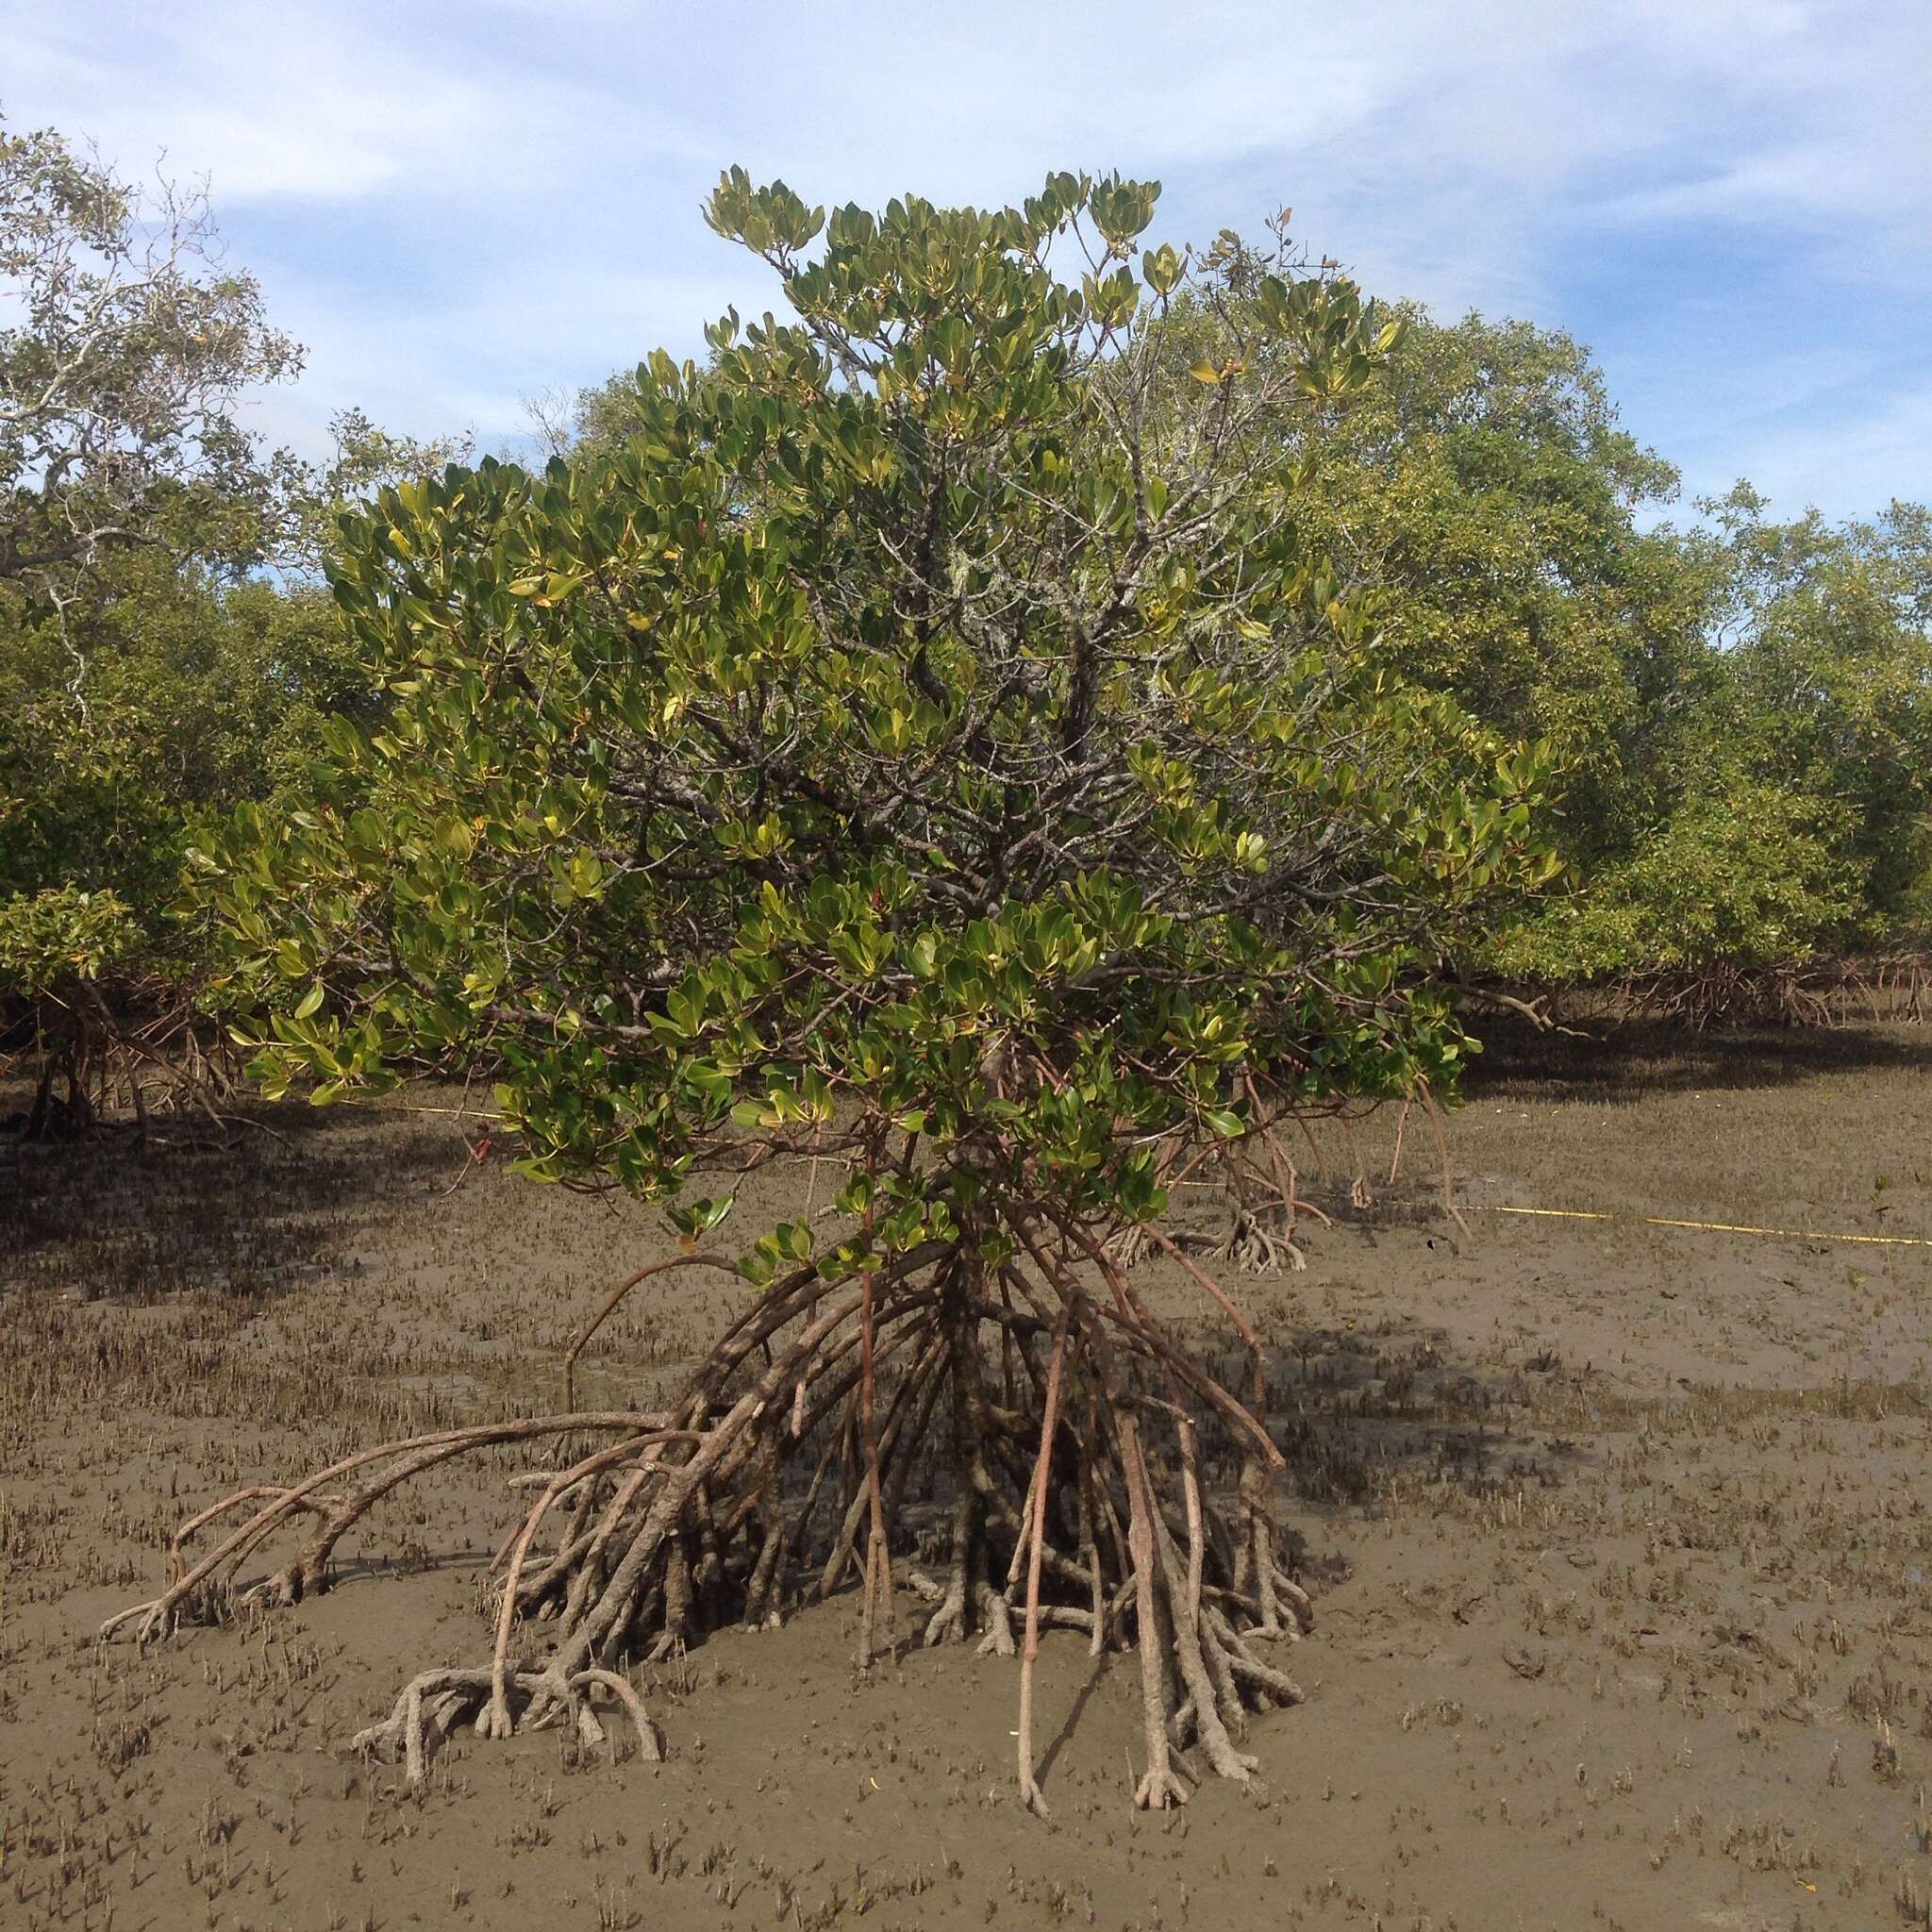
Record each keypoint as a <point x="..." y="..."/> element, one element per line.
<point x="1027" y="1419"/>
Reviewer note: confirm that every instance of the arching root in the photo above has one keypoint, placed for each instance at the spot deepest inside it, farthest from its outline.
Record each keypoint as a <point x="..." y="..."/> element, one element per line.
<point x="1034" y="1424"/>
<point x="433" y="1704"/>
<point x="1253" y="1249"/>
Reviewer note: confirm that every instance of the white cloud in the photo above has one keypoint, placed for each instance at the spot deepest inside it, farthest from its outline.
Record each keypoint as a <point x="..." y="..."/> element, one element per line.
<point x="289" y="102"/>
<point x="459" y="201"/>
<point x="470" y="363"/>
<point x="1850" y="460"/>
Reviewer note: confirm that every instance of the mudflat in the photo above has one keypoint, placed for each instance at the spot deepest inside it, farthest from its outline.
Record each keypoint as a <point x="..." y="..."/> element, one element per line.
<point x="1618" y="1534"/>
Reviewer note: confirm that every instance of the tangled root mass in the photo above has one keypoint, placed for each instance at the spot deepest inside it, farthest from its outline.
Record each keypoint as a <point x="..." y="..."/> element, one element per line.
<point x="1018" y="1447"/>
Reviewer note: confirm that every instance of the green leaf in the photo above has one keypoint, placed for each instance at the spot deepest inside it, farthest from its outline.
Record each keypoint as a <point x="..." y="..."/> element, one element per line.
<point x="697" y="1218"/>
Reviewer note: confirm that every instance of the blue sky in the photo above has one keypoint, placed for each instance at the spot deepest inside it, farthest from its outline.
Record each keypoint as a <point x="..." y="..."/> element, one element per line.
<point x="457" y="206"/>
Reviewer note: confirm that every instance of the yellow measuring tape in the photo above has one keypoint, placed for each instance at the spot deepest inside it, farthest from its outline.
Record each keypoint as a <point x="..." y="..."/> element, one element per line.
<point x="1796" y="1234"/>
<point x="461" y="1113"/>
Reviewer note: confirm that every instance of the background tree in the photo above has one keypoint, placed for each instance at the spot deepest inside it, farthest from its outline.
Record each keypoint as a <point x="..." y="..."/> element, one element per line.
<point x="1790" y="804"/>
<point x="928" y="743"/>
<point x="124" y="350"/>
<point x="166" y="648"/>
<point x="1737" y="712"/>
<point x="1487" y="488"/>
<point x="1828" y="637"/>
<point x="127" y="347"/>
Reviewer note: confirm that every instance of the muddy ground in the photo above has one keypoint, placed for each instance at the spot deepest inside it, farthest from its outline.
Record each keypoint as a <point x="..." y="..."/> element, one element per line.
<point x="1621" y="1540"/>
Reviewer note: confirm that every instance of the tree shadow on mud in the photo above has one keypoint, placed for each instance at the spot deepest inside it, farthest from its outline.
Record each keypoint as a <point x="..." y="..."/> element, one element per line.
<point x="1418" y="1413"/>
<point x="1361" y="1412"/>
<point x="259" y="1210"/>
<point x="1638" y="1060"/>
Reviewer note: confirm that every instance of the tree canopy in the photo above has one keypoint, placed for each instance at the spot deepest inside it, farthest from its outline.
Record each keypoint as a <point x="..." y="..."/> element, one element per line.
<point x="1732" y="701"/>
<point x="922" y="680"/>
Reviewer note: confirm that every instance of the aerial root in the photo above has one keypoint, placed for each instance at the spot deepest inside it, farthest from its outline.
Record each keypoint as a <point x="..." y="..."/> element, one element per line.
<point x="1162" y="1786"/>
<point x="1288" y="1591"/>
<point x="1055" y="1488"/>
<point x="1257" y="1251"/>
<point x="431" y="1706"/>
<point x="329" y="1497"/>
